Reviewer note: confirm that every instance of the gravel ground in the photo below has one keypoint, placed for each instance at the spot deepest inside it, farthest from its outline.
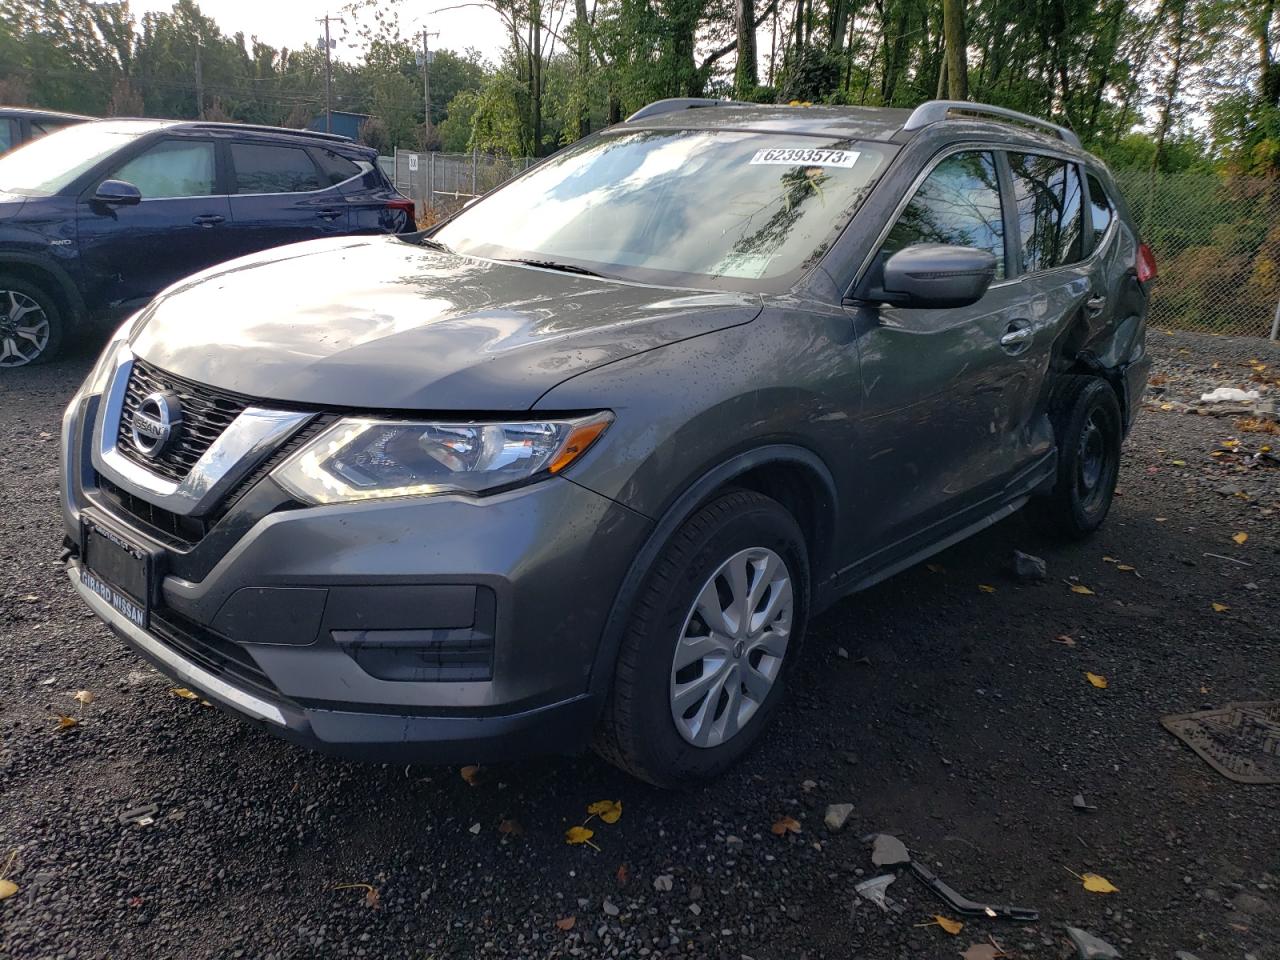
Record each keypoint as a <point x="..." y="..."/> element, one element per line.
<point x="946" y="715"/>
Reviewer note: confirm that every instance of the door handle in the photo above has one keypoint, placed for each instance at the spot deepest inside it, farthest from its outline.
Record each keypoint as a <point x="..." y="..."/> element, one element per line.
<point x="1016" y="338"/>
<point x="329" y="214"/>
<point x="1094" y="305"/>
<point x="208" y="220"/>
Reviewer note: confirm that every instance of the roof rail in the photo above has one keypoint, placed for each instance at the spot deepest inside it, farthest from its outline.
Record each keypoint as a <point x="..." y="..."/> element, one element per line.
<point x="266" y="128"/>
<point x="931" y="111"/>
<point x="659" y="107"/>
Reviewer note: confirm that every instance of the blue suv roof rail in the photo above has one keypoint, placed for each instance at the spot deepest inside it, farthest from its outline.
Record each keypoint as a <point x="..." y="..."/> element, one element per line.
<point x="671" y="105"/>
<point x="932" y="111"/>
<point x="266" y="128"/>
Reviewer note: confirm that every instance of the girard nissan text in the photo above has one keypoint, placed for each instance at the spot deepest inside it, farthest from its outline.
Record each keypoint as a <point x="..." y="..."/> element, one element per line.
<point x="579" y="465"/>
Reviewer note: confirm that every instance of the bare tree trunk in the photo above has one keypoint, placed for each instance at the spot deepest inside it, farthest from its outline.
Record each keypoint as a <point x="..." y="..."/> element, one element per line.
<point x="744" y="74"/>
<point x="584" y="66"/>
<point x="1172" y="85"/>
<point x="956" y="57"/>
<point x="535" y="72"/>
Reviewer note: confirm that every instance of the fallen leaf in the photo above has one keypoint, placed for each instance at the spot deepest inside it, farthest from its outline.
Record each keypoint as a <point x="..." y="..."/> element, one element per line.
<point x="184" y="693"/>
<point x="471" y="774"/>
<point x="623" y="875"/>
<point x="1178" y="463"/>
<point x="566" y="923"/>
<point x="986" y="588"/>
<point x="1110" y="560"/>
<point x="1240" y="537"/>
<point x="84" y="697"/>
<point x="7" y="889"/>
<point x="578" y="835"/>
<point x="610" y="811"/>
<point x="1064" y="640"/>
<point x="1125" y="568"/>
<point x="511" y="828"/>
<point x="66" y="723"/>
<point x="1097" y="884"/>
<point x="1081" y="589"/>
<point x="371" y="895"/>
<point x="785" y="825"/>
<point x="983" y="951"/>
<point x="1161" y="519"/>
<point x="1097" y="680"/>
<point x="952" y="927"/>
<point x="1220" y="607"/>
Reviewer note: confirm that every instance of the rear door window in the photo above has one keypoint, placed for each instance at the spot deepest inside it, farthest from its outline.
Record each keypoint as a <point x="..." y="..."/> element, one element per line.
<point x="8" y="134"/>
<point x="958" y="204"/>
<point x="336" y="168"/>
<point x="272" y="168"/>
<point x="171" y="168"/>
<point x="1101" y="210"/>
<point x="1048" y="197"/>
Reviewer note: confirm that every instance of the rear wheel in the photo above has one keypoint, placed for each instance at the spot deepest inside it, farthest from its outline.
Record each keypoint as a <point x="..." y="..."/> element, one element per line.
<point x="712" y="636"/>
<point x="30" y="323"/>
<point x="1087" y="422"/>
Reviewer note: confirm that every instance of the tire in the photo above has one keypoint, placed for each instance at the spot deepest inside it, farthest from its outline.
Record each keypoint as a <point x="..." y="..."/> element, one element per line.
<point x="1087" y="422"/>
<point x="739" y="532"/>
<point x="30" y="323"/>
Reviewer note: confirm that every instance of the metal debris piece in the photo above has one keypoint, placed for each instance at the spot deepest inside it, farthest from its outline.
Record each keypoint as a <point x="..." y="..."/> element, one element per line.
<point x="874" y="890"/>
<point x="1089" y="947"/>
<point x="143" y="816"/>
<point x="1079" y="803"/>
<point x="966" y="907"/>
<point x="1239" y="740"/>
<point x="889" y="851"/>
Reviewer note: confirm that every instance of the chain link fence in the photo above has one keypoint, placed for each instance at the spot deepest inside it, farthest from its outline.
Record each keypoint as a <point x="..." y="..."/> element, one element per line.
<point x="441" y="183"/>
<point x="1217" y="247"/>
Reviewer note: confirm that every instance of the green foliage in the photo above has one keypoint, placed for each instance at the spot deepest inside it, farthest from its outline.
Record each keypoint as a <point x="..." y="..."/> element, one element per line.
<point x="455" y="129"/>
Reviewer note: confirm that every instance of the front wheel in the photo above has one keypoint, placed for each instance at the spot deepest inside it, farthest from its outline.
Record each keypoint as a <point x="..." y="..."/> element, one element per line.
<point x="30" y="324"/>
<point x="1087" y="422"/>
<point x="712" y="636"/>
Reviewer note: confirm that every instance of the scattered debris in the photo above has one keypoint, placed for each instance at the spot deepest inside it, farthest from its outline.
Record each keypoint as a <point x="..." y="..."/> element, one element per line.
<point x="611" y="908"/>
<point x="1029" y="568"/>
<point x="1229" y="395"/>
<point x="471" y="774"/>
<point x="983" y="951"/>
<point x="7" y="887"/>
<point x="566" y="923"/>
<point x="874" y="890"/>
<point x="837" y="815"/>
<point x="371" y="895"/>
<point x="970" y="908"/>
<point x="143" y="816"/>
<point x="1183" y="955"/>
<point x="986" y="588"/>
<point x="1089" y="947"/>
<point x="1238" y="739"/>
<point x="84" y="697"/>
<point x="842" y="653"/>
<point x="511" y="828"/>
<point x="1081" y="589"/>
<point x="889" y="851"/>
<point x="474" y="829"/>
<point x="662" y="882"/>
<point x="1064" y="640"/>
<point x="1096" y="679"/>
<point x="66" y="723"/>
<point x="622" y="875"/>
<point x="952" y="927"/>
<point x="808" y="786"/>
<point x="184" y="693"/>
<point x="1079" y="803"/>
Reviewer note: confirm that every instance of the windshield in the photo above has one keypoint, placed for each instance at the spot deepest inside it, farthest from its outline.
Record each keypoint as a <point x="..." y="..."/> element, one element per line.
<point x="45" y="166"/>
<point x="704" y="208"/>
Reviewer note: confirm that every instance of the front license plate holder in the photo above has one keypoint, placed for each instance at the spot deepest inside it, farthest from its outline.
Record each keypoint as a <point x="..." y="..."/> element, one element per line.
<point x="119" y="571"/>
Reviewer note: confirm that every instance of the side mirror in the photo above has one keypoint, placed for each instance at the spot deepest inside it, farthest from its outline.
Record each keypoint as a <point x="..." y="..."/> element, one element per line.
<point x="117" y="193"/>
<point x="935" y="275"/>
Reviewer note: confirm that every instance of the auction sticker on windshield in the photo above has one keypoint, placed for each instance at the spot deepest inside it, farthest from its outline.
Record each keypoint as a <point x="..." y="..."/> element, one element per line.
<point x="806" y="156"/>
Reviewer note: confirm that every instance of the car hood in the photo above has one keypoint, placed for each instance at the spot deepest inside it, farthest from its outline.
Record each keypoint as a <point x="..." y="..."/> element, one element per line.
<point x="377" y="322"/>
<point x="10" y="204"/>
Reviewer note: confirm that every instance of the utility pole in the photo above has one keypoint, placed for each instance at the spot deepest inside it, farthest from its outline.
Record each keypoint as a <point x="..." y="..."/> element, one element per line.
<point x="199" y="85"/>
<point x="426" y="85"/>
<point x="328" y="73"/>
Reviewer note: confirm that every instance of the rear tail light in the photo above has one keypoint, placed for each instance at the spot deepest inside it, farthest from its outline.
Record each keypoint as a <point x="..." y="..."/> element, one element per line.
<point x="1146" y="265"/>
<point x="403" y="204"/>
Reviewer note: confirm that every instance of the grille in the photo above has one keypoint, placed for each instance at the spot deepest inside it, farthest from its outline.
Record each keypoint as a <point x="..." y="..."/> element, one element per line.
<point x="206" y="412"/>
<point x="215" y="653"/>
<point x="171" y="528"/>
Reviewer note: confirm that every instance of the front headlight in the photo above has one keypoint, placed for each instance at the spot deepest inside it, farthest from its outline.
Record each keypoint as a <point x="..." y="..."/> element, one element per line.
<point x="359" y="459"/>
<point x="98" y="377"/>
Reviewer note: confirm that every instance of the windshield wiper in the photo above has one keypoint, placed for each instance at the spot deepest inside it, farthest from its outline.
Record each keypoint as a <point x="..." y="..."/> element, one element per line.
<point x="557" y="265"/>
<point x="423" y="240"/>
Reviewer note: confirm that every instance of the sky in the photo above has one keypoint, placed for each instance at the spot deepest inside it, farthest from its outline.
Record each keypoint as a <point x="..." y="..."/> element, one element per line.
<point x="292" y="23"/>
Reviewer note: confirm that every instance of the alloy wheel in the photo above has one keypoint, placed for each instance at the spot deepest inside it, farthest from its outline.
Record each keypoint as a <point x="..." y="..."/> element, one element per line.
<point x="731" y="647"/>
<point x="24" y="329"/>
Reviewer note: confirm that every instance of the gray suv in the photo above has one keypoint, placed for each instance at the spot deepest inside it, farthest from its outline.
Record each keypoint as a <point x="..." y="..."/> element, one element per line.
<point x="579" y="465"/>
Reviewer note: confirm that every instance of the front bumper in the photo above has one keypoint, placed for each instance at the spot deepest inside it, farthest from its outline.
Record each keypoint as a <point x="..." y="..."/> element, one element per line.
<point x="318" y="623"/>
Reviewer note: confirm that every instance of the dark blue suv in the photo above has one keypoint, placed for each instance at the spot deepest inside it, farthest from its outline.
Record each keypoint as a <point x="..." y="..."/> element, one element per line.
<point x="97" y="219"/>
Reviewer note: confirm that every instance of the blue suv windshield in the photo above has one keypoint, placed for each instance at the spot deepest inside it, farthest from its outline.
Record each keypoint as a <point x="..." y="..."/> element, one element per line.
<point x="742" y="210"/>
<point x="46" y="166"/>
